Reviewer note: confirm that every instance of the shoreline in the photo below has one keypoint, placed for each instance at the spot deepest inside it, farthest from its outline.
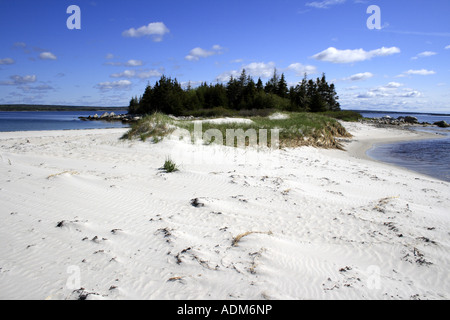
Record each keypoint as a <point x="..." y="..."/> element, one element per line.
<point x="391" y="135"/>
<point x="386" y="135"/>
<point x="303" y="223"/>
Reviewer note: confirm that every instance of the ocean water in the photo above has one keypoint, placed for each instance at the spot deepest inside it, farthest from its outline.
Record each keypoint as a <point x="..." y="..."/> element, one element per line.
<point x="429" y="157"/>
<point x="422" y="117"/>
<point x="53" y="120"/>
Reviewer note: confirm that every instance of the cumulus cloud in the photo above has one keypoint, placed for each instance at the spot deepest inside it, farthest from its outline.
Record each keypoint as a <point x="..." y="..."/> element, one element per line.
<point x="117" y="85"/>
<point x="359" y="76"/>
<point x="391" y="90"/>
<point x="198" y="53"/>
<point x="260" y="69"/>
<point x="6" y="61"/>
<point x="47" y="56"/>
<point x="254" y="69"/>
<point x="350" y="56"/>
<point x="301" y="69"/>
<point x="447" y="47"/>
<point x="154" y="30"/>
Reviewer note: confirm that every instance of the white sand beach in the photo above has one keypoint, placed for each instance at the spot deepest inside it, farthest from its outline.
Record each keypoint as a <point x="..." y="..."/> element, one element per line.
<point x="85" y="214"/>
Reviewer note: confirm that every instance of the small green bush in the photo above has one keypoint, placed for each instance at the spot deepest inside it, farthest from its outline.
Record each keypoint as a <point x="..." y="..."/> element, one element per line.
<point x="170" y="166"/>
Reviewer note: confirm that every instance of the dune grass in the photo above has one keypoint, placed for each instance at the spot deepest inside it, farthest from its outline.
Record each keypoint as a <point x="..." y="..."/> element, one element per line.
<point x="298" y="129"/>
<point x="239" y="237"/>
<point x="170" y="166"/>
<point x="155" y="126"/>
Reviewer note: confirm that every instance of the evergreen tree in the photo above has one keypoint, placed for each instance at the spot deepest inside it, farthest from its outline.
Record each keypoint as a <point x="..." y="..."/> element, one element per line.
<point x="241" y="93"/>
<point x="259" y="85"/>
<point x="272" y="84"/>
<point x="282" y="88"/>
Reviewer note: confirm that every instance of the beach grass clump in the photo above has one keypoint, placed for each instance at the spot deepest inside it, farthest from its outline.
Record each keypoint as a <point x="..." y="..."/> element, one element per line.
<point x="170" y="166"/>
<point x="155" y="126"/>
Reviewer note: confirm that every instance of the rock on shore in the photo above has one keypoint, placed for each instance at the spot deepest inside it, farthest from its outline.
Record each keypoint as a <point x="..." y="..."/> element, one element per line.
<point x="113" y="117"/>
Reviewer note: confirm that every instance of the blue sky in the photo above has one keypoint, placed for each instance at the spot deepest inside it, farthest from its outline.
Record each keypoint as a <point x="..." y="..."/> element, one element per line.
<point x="123" y="45"/>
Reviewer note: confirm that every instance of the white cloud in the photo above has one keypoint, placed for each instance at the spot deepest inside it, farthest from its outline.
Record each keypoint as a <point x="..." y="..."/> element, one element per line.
<point x="142" y="74"/>
<point x="422" y="72"/>
<point x="350" y="56"/>
<point x="325" y="4"/>
<point x="125" y="74"/>
<point x="42" y="87"/>
<point x="19" y="80"/>
<point x="109" y="56"/>
<point x="129" y="63"/>
<point x="149" y="74"/>
<point x="47" y="56"/>
<point x="225" y="76"/>
<point x="198" y="53"/>
<point x="134" y="63"/>
<point x="6" y="61"/>
<point x="390" y="91"/>
<point x="260" y="69"/>
<point x="427" y="54"/>
<point x="155" y="30"/>
<point x="410" y="94"/>
<point x="217" y="47"/>
<point x="447" y="47"/>
<point x="366" y="95"/>
<point x="394" y="85"/>
<point x="265" y="70"/>
<point x="424" y="54"/>
<point x="359" y="76"/>
<point x="301" y="69"/>
<point x="118" y="85"/>
<point x="254" y="69"/>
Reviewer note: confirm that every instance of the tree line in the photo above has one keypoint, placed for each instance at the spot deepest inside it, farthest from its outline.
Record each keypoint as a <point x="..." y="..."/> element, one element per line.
<point x="241" y="93"/>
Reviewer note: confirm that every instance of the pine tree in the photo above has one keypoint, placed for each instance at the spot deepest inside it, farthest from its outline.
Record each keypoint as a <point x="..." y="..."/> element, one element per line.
<point x="282" y="88"/>
<point x="259" y="85"/>
<point x="272" y="84"/>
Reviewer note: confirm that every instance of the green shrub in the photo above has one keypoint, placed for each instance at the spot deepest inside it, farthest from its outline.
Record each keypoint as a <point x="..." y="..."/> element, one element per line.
<point x="170" y="166"/>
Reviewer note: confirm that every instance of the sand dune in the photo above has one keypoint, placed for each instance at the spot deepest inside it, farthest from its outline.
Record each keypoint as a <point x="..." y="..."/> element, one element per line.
<point x="86" y="215"/>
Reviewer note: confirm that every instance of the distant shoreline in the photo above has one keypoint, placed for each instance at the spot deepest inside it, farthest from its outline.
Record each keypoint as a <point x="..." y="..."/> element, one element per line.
<point x="37" y="108"/>
<point x="402" y="112"/>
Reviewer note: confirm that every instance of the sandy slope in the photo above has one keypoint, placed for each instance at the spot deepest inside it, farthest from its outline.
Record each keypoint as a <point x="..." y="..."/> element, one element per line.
<point x="83" y="209"/>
